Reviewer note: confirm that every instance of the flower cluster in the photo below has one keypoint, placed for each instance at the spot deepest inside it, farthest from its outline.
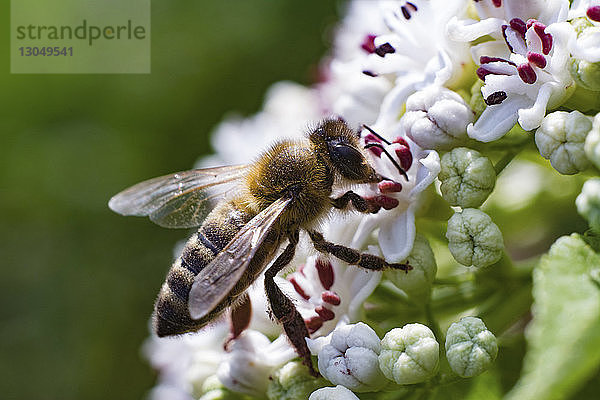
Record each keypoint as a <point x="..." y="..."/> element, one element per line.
<point x="472" y="110"/>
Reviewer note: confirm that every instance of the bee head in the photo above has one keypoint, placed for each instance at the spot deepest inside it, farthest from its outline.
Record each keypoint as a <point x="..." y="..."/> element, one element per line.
<point x="340" y="146"/>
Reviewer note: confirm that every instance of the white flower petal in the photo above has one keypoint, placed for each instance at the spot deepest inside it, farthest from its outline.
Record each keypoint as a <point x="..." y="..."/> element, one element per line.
<point x="496" y="120"/>
<point x="396" y="236"/>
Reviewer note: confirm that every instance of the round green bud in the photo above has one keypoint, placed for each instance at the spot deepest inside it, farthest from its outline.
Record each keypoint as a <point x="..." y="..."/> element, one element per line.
<point x="592" y="142"/>
<point x="213" y="389"/>
<point x="588" y="203"/>
<point x="470" y="347"/>
<point x="467" y="177"/>
<point x="585" y="74"/>
<point x="409" y="354"/>
<point x="293" y="382"/>
<point x="473" y="239"/>
<point x="560" y="139"/>
<point x="416" y="284"/>
<point x="333" y="393"/>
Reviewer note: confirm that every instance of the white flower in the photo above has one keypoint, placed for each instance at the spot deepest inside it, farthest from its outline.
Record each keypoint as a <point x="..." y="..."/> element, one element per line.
<point x="288" y="110"/>
<point x="184" y="362"/>
<point x="525" y="69"/>
<point x="586" y="45"/>
<point x="350" y="359"/>
<point x="333" y="393"/>
<point x="396" y="221"/>
<point x="250" y="360"/>
<point x="436" y="118"/>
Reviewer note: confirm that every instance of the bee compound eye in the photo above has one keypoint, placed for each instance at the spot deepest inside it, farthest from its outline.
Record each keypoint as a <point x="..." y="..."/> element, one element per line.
<point x="348" y="160"/>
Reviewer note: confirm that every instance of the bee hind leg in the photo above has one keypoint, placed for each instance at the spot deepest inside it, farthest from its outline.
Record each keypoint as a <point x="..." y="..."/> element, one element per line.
<point x="283" y="309"/>
<point x="353" y="256"/>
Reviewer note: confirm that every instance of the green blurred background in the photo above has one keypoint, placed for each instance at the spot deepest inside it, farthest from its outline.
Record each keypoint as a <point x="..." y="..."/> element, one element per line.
<point x="78" y="281"/>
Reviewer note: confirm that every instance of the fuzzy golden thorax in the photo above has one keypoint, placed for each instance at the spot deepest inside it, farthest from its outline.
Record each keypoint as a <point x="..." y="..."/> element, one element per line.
<point x="291" y="168"/>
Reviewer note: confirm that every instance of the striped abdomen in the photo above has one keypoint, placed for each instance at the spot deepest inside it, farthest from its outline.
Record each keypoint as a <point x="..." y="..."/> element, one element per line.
<point x="171" y="309"/>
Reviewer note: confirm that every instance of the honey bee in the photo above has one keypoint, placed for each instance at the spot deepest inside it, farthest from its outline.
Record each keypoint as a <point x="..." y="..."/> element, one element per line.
<point x="287" y="189"/>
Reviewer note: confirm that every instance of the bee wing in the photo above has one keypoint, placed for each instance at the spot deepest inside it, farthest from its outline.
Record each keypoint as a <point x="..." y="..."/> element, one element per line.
<point x="215" y="281"/>
<point x="178" y="200"/>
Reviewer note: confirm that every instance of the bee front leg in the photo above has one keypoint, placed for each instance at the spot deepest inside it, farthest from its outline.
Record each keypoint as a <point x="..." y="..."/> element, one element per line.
<point x="352" y="256"/>
<point x="369" y="205"/>
<point x="283" y="308"/>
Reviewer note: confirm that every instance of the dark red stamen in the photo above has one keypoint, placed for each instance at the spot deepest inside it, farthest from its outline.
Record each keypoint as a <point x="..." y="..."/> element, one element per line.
<point x="536" y="59"/>
<point x="401" y="141"/>
<point x="546" y="38"/>
<point x="411" y="5"/>
<point x="384" y="49"/>
<point x="325" y="313"/>
<point x="495" y="98"/>
<point x="482" y="73"/>
<point x="593" y="13"/>
<point x="405" y="12"/>
<point x="331" y="297"/>
<point x="526" y="73"/>
<point x="487" y="60"/>
<point x="519" y="25"/>
<point x="497" y="3"/>
<point x="313" y="323"/>
<point x="405" y="157"/>
<point x="326" y="275"/>
<point x="386" y="202"/>
<point x="369" y="73"/>
<point x="372" y="138"/>
<point x="368" y="44"/>
<point x="376" y="151"/>
<point x="298" y="288"/>
<point x="389" y="187"/>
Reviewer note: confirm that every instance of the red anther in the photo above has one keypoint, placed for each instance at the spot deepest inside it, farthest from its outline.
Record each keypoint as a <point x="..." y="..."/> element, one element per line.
<point x="368" y="44"/>
<point x="405" y="157"/>
<point x="400" y="140"/>
<point x="519" y="25"/>
<point x="487" y="60"/>
<point x="482" y="73"/>
<point x="369" y="138"/>
<point x="298" y="288"/>
<point x="325" y="313"/>
<point x="369" y="73"/>
<point x="497" y="3"/>
<point x="530" y="22"/>
<point x="546" y="38"/>
<point x="495" y="98"/>
<point x="536" y="59"/>
<point x="331" y="297"/>
<point x="313" y="323"/>
<point x="384" y="49"/>
<point x="326" y="275"/>
<point x="389" y="187"/>
<point x="526" y="73"/>
<point x="593" y="13"/>
<point x="386" y="202"/>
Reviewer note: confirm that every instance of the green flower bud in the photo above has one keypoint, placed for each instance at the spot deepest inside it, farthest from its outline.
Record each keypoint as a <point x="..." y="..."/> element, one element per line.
<point x="473" y="239"/>
<point x="467" y="177"/>
<point x="592" y="142"/>
<point x="409" y="354"/>
<point x="588" y="203"/>
<point x="213" y="389"/>
<point x="477" y="102"/>
<point x="586" y="74"/>
<point x="333" y="393"/>
<point x="416" y="284"/>
<point x="560" y="138"/>
<point x="470" y="347"/>
<point x="293" y="382"/>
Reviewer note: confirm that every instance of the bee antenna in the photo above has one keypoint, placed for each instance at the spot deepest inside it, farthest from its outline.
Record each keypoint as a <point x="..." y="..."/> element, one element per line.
<point x="384" y="140"/>
<point x="380" y="146"/>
